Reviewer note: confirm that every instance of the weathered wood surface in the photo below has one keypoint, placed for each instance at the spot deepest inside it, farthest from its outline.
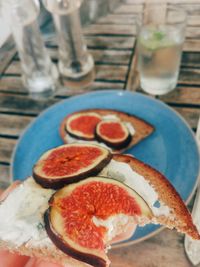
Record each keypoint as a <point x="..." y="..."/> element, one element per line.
<point x="14" y="85"/>
<point x="109" y="56"/>
<point x="163" y="250"/>
<point x="104" y="72"/>
<point x="13" y="125"/>
<point x="6" y="148"/>
<point x="111" y="41"/>
<point x="7" y="52"/>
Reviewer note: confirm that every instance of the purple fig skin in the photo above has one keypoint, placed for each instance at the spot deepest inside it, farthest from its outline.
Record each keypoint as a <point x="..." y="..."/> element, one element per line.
<point x="57" y="183"/>
<point x="77" y="136"/>
<point x="120" y="145"/>
<point x="67" y="249"/>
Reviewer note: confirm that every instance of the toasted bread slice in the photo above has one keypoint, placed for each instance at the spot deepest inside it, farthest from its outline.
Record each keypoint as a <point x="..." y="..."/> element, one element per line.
<point x="142" y="128"/>
<point x="177" y="215"/>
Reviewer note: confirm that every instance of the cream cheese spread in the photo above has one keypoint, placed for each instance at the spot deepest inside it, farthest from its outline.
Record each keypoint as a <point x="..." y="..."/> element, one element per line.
<point x="115" y="224"/>
<point x="114" y="117"/>
<point x="123" y="172"/>
<point x="130" y="127"/>
<point x="110" y="117"/>
<point x="21" y="214"/>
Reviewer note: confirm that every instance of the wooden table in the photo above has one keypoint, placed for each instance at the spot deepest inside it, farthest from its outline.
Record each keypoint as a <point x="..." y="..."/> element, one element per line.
<point x="111" y="42"/>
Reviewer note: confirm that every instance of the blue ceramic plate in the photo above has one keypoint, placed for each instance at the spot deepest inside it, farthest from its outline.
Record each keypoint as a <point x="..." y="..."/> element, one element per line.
<point x="171" y="149"/>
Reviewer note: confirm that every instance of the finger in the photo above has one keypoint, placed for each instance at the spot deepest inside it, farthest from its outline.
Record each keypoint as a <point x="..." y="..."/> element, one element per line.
<point x="31" y="263"/>
<point x="41" y="263"/>
<point x="8" y="259"/>
<point x="9" y="189"/>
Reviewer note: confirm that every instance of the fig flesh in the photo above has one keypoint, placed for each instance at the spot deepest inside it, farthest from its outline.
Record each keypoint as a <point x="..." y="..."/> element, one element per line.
<point x="82" y="125"/>
<point x="70" y="163"/>
<point x="113" y="133"/>
<point x="70" y="222"/>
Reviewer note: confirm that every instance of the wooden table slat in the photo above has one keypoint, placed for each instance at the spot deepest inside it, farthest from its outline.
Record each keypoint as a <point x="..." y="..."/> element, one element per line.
<point x="6" y="148"/>
<point x="103" y="72"/>
<point x="163" y="250"/>
<point x="129" y="9"/>
<point x="5" y="177"/>
<point x="183" y="95"/>
<point x="22" y="104"/>
<point x="191" y="115"/>
<point x="111" y="42"/>
<point x="191" y="59"/>
<point x="189" y="76"/>
<point x="110" y="56"/>
<point x="192" y="45"/>
<point x="109" y="29"/>
<point x="7" y="52"/>
<point x="103" y="57"/>
<point x="127" y="19"/>
<point x="14" y="85"/>
<point x="13" y="125"/>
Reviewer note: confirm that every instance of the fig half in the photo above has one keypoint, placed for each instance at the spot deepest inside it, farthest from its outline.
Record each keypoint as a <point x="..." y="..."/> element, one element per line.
<point x="71" y="219"/>
<point x="113" y="133"/>
<point x="82" y="125"/>
<point x="70" y="163"/>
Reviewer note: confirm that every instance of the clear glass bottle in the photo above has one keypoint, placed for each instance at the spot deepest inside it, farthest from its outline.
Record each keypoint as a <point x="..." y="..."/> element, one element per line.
<point x="40" y="75"/>
<point x="75" y="63"/>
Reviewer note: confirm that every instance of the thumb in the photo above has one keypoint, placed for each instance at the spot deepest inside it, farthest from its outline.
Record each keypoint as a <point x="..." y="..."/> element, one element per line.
<point x="41" y="263"/>
<point x="9" y="259"/>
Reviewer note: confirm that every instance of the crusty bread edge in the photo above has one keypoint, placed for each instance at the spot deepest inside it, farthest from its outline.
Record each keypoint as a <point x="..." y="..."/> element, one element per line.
<point x="52" y="254"/>
<point x="180" y="218"/>
<point x="123" y="116"/>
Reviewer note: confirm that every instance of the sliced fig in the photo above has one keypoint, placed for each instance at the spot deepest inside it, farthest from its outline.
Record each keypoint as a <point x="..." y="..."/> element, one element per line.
<point x="113" y="133"/>
<point x="70" y="219"/>
<point x="70" y="163"/>
<point x="82" y="125"/>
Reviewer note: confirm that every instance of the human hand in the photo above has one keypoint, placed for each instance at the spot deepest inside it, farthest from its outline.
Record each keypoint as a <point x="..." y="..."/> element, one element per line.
<point x="8" y="259"/>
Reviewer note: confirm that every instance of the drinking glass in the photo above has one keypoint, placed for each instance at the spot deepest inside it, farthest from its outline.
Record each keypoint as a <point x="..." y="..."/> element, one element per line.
<point x="40" y="75"/>
<point x="75" y="62"/>
<point x="161" y="33"/>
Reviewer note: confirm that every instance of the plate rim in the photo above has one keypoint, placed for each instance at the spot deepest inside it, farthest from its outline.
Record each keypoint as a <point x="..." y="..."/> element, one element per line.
<point x="119" y="93"/>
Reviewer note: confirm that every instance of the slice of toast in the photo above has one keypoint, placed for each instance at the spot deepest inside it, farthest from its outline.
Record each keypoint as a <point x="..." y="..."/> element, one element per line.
<point x="177" y="217"/>
<point x="142" y="128"/>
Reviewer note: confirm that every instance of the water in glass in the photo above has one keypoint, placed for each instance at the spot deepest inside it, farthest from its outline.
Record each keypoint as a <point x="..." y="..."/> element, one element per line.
<point x="159" y="55"/>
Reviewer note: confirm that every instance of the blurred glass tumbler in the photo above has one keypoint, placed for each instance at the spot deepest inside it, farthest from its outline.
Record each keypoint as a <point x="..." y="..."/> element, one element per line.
<point x="40" y="75"/>
<point x="75" y="63"/>
<point x="161" y="33"/>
